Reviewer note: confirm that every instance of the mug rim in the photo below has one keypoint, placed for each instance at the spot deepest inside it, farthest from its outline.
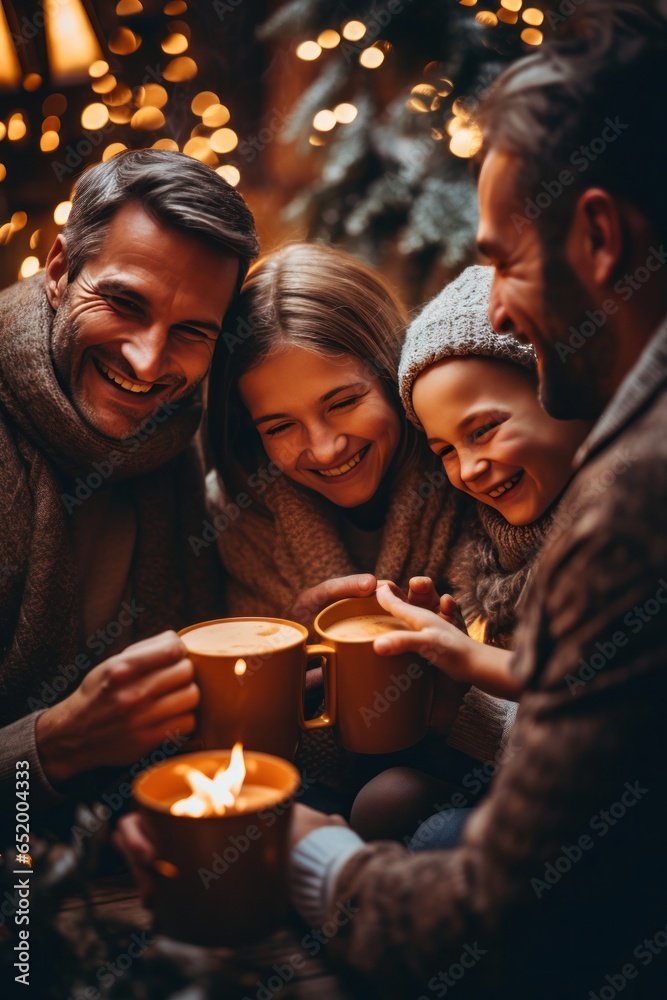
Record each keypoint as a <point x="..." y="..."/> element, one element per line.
<point x="322" y="632"/>
<point x="152" y="805"/>
<point x="246" y="618"/>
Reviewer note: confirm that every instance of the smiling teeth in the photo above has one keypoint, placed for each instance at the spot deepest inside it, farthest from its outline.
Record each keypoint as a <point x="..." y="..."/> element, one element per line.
<point x="342" y="469"/>
<point x="498" y="492"/>
<point x="123" y="382"/>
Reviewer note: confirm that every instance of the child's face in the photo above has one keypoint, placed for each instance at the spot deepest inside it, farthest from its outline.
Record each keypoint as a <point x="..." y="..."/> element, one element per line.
<point x="326" y="420"/>
<point x="483" y="419"/>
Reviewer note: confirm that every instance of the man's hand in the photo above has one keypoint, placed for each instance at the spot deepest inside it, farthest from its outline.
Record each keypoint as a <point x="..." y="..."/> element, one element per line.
<point x="309" y="603"/>
<point x="132" y="841"/>
<point x="304" y="820"/>
<point x="123" y="708"/>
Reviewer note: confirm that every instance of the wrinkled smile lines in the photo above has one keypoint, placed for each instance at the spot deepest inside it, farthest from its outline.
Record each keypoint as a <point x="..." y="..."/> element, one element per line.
<point x="118" y="380"/>
<point x="342" y="469"/>
<point x="506" y="486"/>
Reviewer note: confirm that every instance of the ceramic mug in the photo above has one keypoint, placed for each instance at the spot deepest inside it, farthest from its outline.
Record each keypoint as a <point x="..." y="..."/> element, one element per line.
<point x="383" y="703"/>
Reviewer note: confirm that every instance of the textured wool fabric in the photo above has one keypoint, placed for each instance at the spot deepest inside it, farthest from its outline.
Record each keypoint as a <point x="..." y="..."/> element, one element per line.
<point x="490" y="569"/>
<point x="456" y="324"/>
<point x="44" y="447"/>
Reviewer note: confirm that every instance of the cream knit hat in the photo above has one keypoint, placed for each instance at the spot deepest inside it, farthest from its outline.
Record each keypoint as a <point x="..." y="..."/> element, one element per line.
<point x="455" y="324"/>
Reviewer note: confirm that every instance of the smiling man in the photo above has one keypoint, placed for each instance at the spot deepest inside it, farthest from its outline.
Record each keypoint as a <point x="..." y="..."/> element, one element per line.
<point x="560" y="877"/>
<point x="102" y="359"/>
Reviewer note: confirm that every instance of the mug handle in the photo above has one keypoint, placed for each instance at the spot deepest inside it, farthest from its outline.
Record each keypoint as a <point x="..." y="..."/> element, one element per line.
<point x="328" y="717"/>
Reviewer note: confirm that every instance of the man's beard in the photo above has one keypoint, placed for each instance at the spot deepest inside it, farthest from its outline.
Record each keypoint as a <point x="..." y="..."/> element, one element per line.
<point x="574" y="380"/>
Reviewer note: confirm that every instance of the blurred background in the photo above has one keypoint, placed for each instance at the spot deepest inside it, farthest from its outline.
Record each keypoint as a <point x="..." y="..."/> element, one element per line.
<point x="351" y="122"/>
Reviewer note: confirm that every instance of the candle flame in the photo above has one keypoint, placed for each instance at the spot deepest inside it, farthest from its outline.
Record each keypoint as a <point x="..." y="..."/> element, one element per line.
<point x="212" y="796"/>
<point x="240" y="667"/>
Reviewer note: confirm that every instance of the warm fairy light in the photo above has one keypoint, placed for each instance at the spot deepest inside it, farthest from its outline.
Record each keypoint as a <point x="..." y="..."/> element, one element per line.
<point x="19" y="220"/>
<point x="174" y="44"/>
<point x="467" y="3"/>
<point x="487" y="18"/>
<point x="120" y="116"/>
<point x="179" y="69"/>
<point x="232" y="175"/>
<point x="3" y="131"/>
<point x="29" y="267"/>
<point x="147" y="119"/>
<point x="316" y="140"/>
<point x="94" y="117"/>
<point x="35" y="238"/>
<point x="98" y="69"/>
<point x="105" y="84"/>
<point x="175" y="7"/>
<point x="121" y="94"/>
<point x="466" y="142"/>
<point x="507" y="16"/>
<point x="49" y="141"/>
<point x="71" y="43"/>
<point x="32" y="82"/>
<point x="445" y="87"/>
<point x="309" y="51"/>
<point x="10" y="67"/>
<point x="61" y="212"/>
<point x="324" y="121"/>
<point x="437" y="134"/>
<point x="6" y="232"/>
<point x="240" y="666"/>
<point x="113" y="150"/>
<point x="166" y="144"/>
<point x="224" y="140"/>
<point x="211" y="796"/>
<point x="16" y="128"/>
<point x="532" y="36"/>
<point x="54" y="104"/>
<point x="531" y="15"/>
<point x="127" y="7"/>
<point x="372" y="58"/>
<point x="123" y="42"/>
<point x="215" y="116"/>
<point x="512" y="5"/>
<point x="200" y="149"/>
<point x="202" y="101"/>
<point x="345" y="113"/>
<point x="152" y="95"/>
<point x="328" y="39"/>
<point x="3" y="172"/>
<point x="454" y="125"/>
<point x="354" y="30"/>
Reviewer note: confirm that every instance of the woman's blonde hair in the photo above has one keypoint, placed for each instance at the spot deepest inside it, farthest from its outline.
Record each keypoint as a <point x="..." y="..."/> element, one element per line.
<point x="315" y="297"/>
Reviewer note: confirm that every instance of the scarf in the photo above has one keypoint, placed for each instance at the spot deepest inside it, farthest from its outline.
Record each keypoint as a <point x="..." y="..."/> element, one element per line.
<point x="491" y="567"/>
<point x="46" y="453"/>
<point x="270" y="560"/>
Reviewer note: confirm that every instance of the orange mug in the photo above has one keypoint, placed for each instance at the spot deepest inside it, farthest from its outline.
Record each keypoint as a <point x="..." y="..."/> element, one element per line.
<point x="251" y="675"/>
<point x="383" y="703"/>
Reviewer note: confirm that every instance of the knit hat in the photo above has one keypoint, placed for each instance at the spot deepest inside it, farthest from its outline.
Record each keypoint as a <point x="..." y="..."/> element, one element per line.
<point x="455" y="324"/>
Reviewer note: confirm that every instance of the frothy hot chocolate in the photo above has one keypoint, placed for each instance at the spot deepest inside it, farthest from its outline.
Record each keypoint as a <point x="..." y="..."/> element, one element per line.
<point x="364" y="627"/>
<point x="241" y="638"/>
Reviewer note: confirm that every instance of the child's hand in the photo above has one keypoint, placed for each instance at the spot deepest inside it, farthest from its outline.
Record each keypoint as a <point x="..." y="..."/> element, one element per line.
<point x="436" y="638"/>
<point x="433" y="636"/>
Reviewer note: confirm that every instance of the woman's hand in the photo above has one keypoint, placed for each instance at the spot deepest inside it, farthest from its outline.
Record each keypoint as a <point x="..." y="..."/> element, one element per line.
<point x="304" y="820"/>
<point x="310" y="602"/>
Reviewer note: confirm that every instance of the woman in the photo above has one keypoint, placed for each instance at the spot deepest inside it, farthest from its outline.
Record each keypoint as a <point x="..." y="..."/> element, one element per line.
<point x="324" y="476"/>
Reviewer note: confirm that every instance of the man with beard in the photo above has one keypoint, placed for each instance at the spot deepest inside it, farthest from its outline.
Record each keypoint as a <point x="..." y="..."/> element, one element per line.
<point x="558" y="887"/>
<point x="102" y="359"/>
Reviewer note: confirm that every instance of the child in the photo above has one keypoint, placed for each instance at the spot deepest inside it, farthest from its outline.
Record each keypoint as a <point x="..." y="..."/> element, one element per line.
<point x="474" y="394"/>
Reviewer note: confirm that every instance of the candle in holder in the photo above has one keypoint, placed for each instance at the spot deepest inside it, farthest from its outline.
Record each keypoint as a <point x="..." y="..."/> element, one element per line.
<point x="219" y="820"/>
